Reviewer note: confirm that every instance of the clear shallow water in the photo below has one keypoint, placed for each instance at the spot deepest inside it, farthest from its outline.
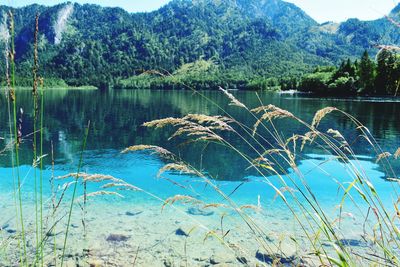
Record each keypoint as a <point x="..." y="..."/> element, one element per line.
<point x="116" y="118"/>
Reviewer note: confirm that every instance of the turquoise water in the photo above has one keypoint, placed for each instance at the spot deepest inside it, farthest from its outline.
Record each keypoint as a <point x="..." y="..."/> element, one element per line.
<point x="116" y="118"/>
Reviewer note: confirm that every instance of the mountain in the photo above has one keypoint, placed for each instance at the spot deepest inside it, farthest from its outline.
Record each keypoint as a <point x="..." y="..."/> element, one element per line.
<point x="89" y="44"/>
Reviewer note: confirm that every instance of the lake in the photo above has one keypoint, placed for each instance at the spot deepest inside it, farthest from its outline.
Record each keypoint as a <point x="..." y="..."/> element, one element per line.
<point x="136" y="229"/>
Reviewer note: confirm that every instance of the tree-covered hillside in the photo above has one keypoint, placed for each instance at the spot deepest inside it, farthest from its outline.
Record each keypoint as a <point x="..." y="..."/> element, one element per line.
<point x="247" y="41"/>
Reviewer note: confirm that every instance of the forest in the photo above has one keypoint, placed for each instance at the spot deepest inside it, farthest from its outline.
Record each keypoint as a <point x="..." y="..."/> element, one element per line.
<point x="246" y="44"/>
<point x="361" y="77"/>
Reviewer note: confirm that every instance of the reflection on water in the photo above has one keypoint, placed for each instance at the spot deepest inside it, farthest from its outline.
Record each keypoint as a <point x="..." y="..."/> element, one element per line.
<point x="116" y="118"/>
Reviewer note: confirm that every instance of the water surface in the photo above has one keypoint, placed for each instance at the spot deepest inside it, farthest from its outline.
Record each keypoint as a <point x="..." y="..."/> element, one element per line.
<point x="116" y="119"/>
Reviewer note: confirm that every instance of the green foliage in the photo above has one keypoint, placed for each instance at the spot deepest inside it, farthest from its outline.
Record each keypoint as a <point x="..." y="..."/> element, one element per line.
<point x="23" y="81"/>
<point x="317" y="82"/>
<point x="249" y="41"/>
<point x="351" y="78"/>
<point x="388" y="73"/>
<point x="366" y="73"/>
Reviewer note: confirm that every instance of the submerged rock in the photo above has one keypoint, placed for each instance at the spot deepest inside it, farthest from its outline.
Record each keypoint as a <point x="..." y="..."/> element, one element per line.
<point x="128" y="213"/>
<point x="278" y="259"/>
<point x="354" y="243"/>
<point x="180" y="232"/>
<point x="270" y="239"/>
<point x="117" y="238"/>
<point x="95" y="263"/>
<point x="200" y="259"/>
<point x="214" y="261"/>
<point x="168" y="263"/>
<point x="242" y="260"/>
<point x="11" y="231"/>
<point x="199" y="212"/>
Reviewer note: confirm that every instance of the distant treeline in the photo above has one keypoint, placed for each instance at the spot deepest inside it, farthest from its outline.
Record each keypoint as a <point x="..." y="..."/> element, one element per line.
<point x="362" y="77"/>
<point x="205" y="74"/>
<point x="366" y="76"/>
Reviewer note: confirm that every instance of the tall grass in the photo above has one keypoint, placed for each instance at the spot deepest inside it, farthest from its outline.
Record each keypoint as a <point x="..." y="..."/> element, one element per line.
<point x="273" y="159"/>
<point x="42" y="230"/>
<point x="16" y="135"/>
<point x="74" y="192"/>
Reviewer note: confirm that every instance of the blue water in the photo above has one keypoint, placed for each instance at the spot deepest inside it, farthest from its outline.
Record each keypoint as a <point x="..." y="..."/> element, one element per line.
<point x="140" y="169"/>
<point x="116" y="118"/>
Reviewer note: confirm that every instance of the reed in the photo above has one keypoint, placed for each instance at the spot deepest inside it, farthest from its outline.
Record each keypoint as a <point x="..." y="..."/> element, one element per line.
<point x="16" y="135"/>
<point x="304" y="206"/>
<point x="74" y="192"/>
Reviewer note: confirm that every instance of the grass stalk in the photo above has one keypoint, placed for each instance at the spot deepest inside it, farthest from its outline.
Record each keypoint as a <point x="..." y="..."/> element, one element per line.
<point x="41" y="164"/>
<point x="16" y="137"/>
<point x="35" y="153"/>
<point x="74" y="191"/>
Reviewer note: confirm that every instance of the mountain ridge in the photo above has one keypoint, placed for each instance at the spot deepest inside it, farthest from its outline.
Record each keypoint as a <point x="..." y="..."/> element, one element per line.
<point x="84" y="44"/>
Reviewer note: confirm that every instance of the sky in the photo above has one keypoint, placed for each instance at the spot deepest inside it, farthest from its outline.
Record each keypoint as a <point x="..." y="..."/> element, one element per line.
<point x="320" y="10"/>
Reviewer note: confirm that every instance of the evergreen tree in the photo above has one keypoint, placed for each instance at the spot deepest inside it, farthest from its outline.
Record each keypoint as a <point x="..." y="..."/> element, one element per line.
<point x="366" y="73"/>
<point x="388" y="75"/>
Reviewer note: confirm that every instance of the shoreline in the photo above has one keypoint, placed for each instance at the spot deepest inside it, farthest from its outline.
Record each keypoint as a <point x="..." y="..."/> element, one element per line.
<point x="86" y="87"/>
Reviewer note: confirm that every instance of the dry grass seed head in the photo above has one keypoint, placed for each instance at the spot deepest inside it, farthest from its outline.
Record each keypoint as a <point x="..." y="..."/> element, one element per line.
<point x="36" y="161"/>
<point x="216" y="122"/>
<point x="336" y="134"/>
<point x="196" y="130"/>
<point x="165" y="122"/>
<point x="270" y="112"/>
<point x="180" y="198"/>
<point x="121" y="186"/>
<point x="308" y="137"/>
<point x="382" y="156"/>
<point x="215" y="205"/>
<point x="320" y="114"/>
<point x="261" y="160"/>
<point x="234" y="101"/>
<point x="178" y="167"/>
<point x="250" y="207"/>
<point x="284" y="189"/>
<point x="104" y="193"/>
<point x="162" y="152"/>
<point x="90" y="177"/>
<point x="67" y="185"/>
<point x="397" y="153"/>
<point x="137" y="148"/>
<point x="293" y="139"/>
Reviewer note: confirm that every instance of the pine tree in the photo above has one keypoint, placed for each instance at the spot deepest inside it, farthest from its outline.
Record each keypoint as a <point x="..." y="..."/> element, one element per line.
<point x="366" y="73"/>
<point x="381" y="82"/>
<point x="388" y="74"/>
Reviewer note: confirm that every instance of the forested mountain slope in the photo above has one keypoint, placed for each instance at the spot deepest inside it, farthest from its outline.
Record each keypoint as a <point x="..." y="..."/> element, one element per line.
<point x="89" y="44"/>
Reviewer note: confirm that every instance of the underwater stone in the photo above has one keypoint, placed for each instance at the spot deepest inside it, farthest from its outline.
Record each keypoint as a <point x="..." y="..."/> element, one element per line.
<point x="128" y="213"/>
<point x="269" y="239"/>
<point x="117" y="238"/>
<point x="95" y="263"/>
<point x="242" y="260"/>
<point x="353" y="243"/>
<point x="214" y="261"/>
<point x="11" y="231"/>
<point x="168" y="263"/>
<point x="180" y="232"/>
<point x="199" y="212"/>
<point x="272" y="259"/>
